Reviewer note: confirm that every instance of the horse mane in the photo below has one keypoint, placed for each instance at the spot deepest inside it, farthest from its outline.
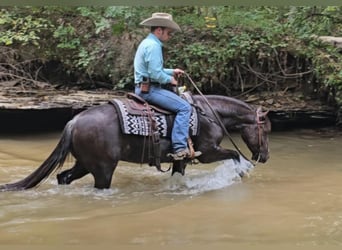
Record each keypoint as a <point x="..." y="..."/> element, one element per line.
<point x="233" y="103"/>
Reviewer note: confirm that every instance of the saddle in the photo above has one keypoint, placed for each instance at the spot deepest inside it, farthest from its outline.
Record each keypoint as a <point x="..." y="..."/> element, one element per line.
<point x="138" y="106"/>
<point x="138" y="117"/>
<point x="135" y="117"/>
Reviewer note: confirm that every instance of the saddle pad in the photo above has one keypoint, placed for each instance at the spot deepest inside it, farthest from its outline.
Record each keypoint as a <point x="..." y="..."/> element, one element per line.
<point x="135" y="124"/>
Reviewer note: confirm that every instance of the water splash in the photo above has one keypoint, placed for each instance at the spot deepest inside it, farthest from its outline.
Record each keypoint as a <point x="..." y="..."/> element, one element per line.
<point x="197" y="181"/>
<point x="138" y="182"/>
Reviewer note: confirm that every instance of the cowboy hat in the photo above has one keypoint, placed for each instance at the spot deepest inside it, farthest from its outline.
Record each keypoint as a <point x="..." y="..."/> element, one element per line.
<point x="162" y="20"/>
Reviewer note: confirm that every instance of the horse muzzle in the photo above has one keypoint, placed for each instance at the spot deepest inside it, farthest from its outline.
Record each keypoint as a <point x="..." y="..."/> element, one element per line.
<point x="260" y="157"/>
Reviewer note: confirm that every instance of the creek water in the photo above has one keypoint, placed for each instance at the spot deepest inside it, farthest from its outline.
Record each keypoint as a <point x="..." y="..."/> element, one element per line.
<point x="293" y="199"/>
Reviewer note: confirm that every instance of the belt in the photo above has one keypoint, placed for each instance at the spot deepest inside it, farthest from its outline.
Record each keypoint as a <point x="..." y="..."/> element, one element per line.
<point x="145" y="79"/>
<point x="152" y="83"/>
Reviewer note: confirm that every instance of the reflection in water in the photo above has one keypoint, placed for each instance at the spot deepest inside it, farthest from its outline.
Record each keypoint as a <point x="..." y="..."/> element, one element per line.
<point x="294" y="199"/>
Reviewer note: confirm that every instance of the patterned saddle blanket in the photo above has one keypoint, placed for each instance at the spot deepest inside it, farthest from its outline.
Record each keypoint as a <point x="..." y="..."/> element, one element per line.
<point x="135" y="118"/>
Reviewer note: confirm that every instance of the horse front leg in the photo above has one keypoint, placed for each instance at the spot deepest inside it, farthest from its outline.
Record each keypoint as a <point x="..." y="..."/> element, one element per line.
<point x="179" y="167"/>
<point x="218" y="153"/>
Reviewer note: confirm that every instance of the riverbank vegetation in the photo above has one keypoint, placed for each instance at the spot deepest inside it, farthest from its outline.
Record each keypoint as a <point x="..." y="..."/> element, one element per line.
<point x="227" y="50"/>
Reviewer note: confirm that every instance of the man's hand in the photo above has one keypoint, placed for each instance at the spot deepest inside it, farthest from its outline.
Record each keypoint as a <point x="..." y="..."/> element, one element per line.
<point x="177" y="72"/>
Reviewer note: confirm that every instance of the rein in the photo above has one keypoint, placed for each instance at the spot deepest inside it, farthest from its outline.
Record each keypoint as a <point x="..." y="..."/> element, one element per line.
<point x="221" y="123"/>
<point x="260" y="122"/>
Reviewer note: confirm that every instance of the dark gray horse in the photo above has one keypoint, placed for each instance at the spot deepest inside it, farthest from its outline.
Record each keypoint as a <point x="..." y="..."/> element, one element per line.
<point x="95" y="139"/>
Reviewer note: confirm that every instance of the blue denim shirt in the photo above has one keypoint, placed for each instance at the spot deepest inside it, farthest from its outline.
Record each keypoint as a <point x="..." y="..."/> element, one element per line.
<point x="148" y="61"/>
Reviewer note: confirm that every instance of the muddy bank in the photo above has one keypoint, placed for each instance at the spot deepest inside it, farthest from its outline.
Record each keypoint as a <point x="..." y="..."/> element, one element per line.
<point x="38" y="110"/>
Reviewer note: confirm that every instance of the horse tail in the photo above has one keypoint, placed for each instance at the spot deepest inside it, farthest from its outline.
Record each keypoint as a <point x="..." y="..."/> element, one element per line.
<point x="53" y="162"/>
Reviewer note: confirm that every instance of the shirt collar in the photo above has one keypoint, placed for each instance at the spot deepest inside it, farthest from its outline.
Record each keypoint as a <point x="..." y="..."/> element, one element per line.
<point x="155" y="38"/>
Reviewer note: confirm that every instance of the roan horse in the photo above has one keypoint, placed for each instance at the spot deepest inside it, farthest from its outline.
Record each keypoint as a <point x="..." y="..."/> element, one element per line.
<point x="95" y="139"/>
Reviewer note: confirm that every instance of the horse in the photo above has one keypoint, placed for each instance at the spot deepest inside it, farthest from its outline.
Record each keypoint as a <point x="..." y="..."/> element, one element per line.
<point x="96" y="141"/>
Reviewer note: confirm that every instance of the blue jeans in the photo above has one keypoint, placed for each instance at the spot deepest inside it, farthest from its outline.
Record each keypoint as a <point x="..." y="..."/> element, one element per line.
<point x="171" y="101"/>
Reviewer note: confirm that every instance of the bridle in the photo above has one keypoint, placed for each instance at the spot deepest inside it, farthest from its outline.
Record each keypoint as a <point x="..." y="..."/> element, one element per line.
<point x="260" y="121"/>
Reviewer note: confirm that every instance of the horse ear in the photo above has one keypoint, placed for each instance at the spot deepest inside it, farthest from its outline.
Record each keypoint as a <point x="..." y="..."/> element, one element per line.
<point x="260" y="112"/>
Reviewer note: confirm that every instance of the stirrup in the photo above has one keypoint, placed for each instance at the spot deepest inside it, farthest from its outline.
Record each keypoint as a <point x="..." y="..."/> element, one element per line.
<point x="184" y="154"/>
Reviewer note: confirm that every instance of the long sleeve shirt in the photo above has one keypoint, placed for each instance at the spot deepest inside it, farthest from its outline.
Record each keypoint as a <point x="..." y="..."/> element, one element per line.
<point x="149" y="62"/>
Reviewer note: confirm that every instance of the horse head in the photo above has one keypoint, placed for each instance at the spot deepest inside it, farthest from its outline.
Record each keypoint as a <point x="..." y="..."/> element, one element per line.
<point x="255" y="135"/>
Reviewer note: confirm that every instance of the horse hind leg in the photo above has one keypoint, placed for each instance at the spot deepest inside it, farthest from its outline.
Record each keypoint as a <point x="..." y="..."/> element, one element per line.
<point x="69" y="175"/>
<point x="103" y="174"/>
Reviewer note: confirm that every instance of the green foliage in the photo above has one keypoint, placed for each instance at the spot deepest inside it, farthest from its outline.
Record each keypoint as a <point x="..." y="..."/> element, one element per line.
<point x="100" y="22"/>
<point x="315" y="20"/>
<point x="264" y="44"/>
<point x="308" y="23"/>
<point x="66" y="37"/>
<point x="223" y="57"/>
<point x="225" y="48"/>
<point x="16" y="29"/>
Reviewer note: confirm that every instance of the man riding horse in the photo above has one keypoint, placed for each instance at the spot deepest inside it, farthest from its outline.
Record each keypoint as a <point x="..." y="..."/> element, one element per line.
<point x="97" y="141"/>
<point x="150" y="77"/>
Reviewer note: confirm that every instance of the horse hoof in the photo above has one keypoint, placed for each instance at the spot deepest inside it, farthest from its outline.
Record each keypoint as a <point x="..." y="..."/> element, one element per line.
<point x="62" y="179"/>
<point x="195" y="161"/>
<point x="236" y="158"/>
<point x="180" y="172"/>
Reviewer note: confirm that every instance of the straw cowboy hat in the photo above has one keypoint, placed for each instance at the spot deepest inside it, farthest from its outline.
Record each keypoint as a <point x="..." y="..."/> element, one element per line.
<point x="162" y="20"/>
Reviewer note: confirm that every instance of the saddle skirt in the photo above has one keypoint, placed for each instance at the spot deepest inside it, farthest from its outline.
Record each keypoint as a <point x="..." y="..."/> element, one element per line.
<point x="135" y="117"/>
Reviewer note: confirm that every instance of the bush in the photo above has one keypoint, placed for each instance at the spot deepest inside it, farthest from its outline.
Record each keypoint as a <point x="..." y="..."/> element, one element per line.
<point x="225" y="49"/>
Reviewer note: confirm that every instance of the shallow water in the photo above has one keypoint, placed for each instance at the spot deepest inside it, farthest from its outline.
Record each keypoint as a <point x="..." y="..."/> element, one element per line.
<point x="295" y="198"/>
